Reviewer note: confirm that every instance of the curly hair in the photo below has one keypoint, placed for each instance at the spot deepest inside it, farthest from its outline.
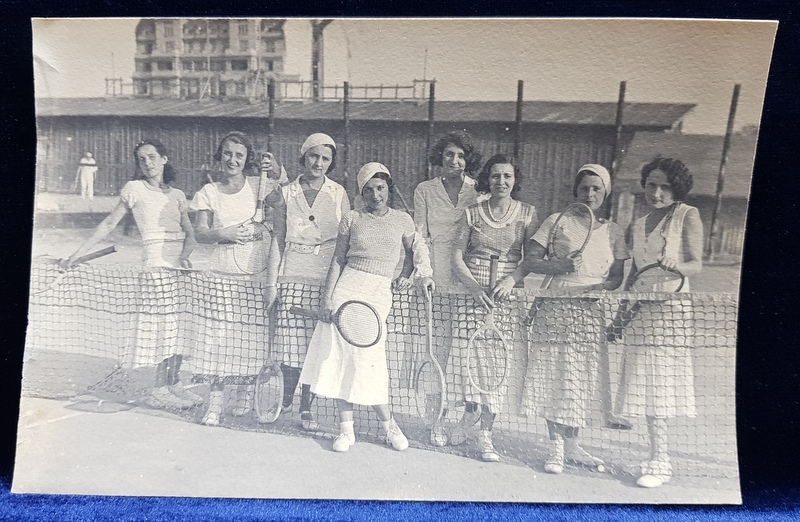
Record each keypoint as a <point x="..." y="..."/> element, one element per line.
<point x="461" y="140"/>
<point x="331" y="167"/>
<point x="169" y="171"/>
<point x="677" y="174"/>
<point x="482" y="185"/>
<point x="241" y="139"/>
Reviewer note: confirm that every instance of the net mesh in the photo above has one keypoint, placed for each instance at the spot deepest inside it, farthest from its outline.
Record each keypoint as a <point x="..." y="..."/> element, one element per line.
<point x="101" y="331"/>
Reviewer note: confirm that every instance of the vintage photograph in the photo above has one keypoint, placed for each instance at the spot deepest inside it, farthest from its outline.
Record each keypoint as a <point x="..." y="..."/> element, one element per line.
<point x="399" y="259"/>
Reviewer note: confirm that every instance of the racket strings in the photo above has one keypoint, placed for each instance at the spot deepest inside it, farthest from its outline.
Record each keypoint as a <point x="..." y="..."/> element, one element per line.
<point x="657" y="280"/>
<point x="571" y="231"/>
<point x="359" y="324"/>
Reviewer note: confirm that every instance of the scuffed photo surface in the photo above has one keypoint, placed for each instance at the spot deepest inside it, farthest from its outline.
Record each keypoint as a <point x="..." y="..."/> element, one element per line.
<point x="142" y="362"/>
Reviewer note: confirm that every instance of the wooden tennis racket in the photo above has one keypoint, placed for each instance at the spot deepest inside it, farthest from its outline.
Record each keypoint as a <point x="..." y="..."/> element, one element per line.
<point x="62" y="272"/>
<point x="358" y="322"/>
<point x="487" y="349"/>
<point x="269" y="382"/>
<point x="429" y="391"/>
<point x="250" y="257"/>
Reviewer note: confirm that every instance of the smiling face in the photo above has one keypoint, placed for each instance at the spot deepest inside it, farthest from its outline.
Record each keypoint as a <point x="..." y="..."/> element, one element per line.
<point x="376" y="194"/>
<point x="453" y="160"/>
<point x="151" y="163"/>
<point x="501" y="180"/>
<point x="234" y="158"/>
<point x="658" y="190"/>
<point x="591" y="191"/>
<point x="317" y="161"/>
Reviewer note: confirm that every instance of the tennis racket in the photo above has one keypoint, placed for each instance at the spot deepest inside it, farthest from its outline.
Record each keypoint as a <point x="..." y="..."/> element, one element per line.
<point x="62" y="272"/>
<point x="429" y="380"/>
<point x="487" y="349"/>
<point x="269" y="382"/>
<point x="651" y="278"/>
<point x="575" y="224"/>
<point x="358" y="322"/>
<point x="251" y="256"/>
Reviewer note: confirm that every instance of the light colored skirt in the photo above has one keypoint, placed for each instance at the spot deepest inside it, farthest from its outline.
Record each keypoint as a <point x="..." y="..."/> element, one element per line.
<point x="293" y="333"/>
<point x="156" y="332"/>
<point x="335" y="368"/>
<point x="658" y="373"/>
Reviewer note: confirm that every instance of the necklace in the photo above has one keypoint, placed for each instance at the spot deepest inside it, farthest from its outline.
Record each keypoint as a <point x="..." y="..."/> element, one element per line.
<point x="501" y="219"/>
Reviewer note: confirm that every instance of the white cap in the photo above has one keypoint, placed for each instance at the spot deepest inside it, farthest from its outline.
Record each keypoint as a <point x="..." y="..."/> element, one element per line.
<point x="601" y="172"/>
<point x="368" y="171"/>
<point x="318" y="138"/>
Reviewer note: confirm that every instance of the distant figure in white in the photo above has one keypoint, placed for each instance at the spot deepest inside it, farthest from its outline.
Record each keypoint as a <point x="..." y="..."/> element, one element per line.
<point x="86" y="172"/>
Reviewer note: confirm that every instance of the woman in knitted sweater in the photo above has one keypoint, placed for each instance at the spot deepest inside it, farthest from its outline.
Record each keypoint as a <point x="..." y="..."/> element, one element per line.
<point x="367" y="249"/>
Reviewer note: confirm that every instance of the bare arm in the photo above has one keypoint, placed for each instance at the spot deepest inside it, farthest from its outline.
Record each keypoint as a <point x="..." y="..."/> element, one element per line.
<point x="103" y="229"/>
<point x="334" y="272"/>
<point x="205" y="234"/>
<point x="189" y="241"/>
<point x="692" y="262"/>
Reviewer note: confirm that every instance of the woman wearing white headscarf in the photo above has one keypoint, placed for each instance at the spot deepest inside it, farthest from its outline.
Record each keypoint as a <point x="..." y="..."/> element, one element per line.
<point x="367" y="248"/>
<point x="568" y="331"/>
<point x="306" y="223"/>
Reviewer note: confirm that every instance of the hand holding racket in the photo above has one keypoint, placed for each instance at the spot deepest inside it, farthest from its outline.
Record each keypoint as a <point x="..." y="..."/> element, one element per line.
<point x="487" y="349"/>
<point x="65" y="266"/>
<point x="573" y="226"/>
<point x="358" y="322"/>
<point x="248" y="255"/>
<point x="429" y="391"/>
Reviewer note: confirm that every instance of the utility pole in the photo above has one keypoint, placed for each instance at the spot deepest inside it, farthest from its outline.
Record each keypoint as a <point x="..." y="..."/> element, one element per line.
<point x="317" y="58"/>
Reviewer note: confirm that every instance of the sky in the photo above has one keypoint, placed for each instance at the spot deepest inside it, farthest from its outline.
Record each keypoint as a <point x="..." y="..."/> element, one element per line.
<point x="686" y="61"/>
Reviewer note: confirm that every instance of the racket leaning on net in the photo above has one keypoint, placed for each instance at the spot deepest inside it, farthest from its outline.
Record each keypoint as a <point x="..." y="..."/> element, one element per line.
<point x="358" y="322"/>
<point x="651" y="278"/>
<point x="248" y="256"/>
<point x="429" y="391"/>
<point x="487" y="349"/>
<point x="269" y="382"/>
<point x="81" y="260"/>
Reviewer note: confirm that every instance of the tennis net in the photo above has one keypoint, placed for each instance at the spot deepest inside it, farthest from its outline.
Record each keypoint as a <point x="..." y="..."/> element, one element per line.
<point x="675" y="358"/>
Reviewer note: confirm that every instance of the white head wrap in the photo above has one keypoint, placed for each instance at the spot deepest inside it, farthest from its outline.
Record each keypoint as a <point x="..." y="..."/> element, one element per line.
<point x="368" y="171"/>
<point x="318" y="138"/>
<point x="601" y="172"/>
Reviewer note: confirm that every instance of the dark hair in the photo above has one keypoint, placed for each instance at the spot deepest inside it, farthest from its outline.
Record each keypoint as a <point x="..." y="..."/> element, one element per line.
<point x="241" y="139"/>
<point x="385" y="177"/>
<point x="677" y="174"/>
<point x="582" y="174"/>
<point x="461" y="140"/>
<point x="482" y="185"/>
<point x="169" y="171"/>
<point x="331" y="167"/>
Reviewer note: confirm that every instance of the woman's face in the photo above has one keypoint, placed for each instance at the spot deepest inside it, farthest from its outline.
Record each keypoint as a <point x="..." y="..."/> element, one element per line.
<point x="501" y="180"/>
<point x="658" y="190"/>
<point x="453" y="160"/>
<point x="151" y="163"/>
<point x="376" y="194"/>
<point x="318" y="160"/>
<point x="234" y="158"/>
<point x="591" y="191"/>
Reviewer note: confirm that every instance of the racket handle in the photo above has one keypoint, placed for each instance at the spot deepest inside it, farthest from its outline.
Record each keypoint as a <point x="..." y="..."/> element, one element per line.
<point x="94" y="255"/>
<point x="493" y="261"/>
<point x="296" y="310"/>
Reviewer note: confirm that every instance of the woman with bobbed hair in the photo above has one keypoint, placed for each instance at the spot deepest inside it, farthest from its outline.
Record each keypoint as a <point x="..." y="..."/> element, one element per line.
<point x="659" y="383"/>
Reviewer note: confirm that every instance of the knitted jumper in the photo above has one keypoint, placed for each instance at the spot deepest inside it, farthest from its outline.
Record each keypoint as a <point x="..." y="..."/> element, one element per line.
<point x="375" y="241"/>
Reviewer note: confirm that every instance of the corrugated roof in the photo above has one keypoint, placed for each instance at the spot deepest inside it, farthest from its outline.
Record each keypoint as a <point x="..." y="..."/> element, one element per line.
<point x="654" y="115"/>
<point x="700" y="153"/>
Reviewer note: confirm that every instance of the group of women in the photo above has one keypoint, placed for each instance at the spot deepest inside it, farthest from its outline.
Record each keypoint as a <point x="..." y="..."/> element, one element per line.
<point x="464" y="216"/>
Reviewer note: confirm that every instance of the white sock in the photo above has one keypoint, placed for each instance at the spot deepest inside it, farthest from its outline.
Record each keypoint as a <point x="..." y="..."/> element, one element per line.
<point x="346" y="427"/>
<point x="387" y="424"/>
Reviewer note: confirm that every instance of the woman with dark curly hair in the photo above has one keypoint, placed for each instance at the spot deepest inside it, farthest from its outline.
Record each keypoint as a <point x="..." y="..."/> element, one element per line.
<point x="500" y="226"/>
<point x="659" y="379"/>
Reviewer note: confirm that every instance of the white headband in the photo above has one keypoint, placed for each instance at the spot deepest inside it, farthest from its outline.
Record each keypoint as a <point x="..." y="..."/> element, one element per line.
<point x="318" y="138"/>
<point x="601" y="172"/>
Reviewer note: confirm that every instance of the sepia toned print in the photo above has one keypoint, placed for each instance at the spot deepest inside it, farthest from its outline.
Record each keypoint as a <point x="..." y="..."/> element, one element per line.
<point x="389" y="259"/>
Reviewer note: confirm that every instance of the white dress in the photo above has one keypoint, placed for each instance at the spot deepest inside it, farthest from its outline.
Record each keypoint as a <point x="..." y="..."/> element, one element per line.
<point x="232" y="332"/>
<point x="158" y="217"/>
<point x="561" y="382"/>
<point x="658" y="368"/>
